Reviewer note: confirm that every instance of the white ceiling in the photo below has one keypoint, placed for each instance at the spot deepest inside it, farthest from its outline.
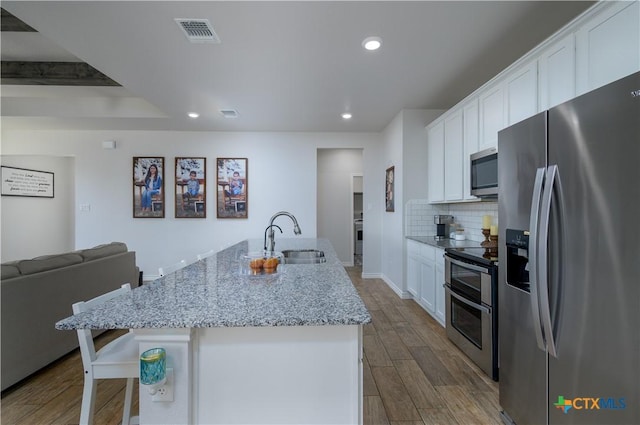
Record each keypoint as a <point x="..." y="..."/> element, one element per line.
<point x="284" y="66"/>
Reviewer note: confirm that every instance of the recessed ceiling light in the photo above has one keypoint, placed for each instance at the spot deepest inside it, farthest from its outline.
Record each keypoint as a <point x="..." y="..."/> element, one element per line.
<point x="193" y="115"/>
<point x="346" y="116"/>
<point x="372" y="43"/>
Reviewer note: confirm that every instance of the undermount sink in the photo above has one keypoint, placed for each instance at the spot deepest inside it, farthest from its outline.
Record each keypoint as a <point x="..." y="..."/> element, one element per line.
<point x="303" y="256"/>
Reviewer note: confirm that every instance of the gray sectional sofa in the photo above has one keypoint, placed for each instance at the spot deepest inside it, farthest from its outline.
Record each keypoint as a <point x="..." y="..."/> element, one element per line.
<point x="38" y="292"/>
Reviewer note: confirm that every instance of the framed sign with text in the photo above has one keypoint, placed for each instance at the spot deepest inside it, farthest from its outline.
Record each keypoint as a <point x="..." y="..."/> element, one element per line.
<point x="25" y="182"/>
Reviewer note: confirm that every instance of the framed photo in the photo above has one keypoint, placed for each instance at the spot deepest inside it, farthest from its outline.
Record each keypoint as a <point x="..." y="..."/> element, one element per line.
<point x="25" y="182"/>
<point x="389" y="202"/>
<point x="231" y="193"/>
<point x="191" y="185"/>
<point x="148" y="187"/>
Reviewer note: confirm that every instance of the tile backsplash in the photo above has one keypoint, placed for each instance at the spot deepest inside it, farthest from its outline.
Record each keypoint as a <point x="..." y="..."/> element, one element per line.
<point x="419" y="217"/>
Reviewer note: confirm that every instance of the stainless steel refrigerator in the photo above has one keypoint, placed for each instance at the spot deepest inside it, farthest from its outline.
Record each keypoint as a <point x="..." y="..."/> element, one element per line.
<point x="569" y="255"/>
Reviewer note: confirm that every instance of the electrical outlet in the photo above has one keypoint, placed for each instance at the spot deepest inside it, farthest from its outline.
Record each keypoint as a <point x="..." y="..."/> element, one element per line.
<point x="165" y="392"/>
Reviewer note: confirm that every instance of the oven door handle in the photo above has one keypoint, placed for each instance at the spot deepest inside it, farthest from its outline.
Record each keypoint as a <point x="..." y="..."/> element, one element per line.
<point x="468" y="266"/>
<point x="462" y="299"/>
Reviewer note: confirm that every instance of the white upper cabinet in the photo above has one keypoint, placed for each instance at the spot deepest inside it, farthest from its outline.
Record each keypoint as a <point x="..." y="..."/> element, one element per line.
<point x="453" y="151"/>
<point x="557" y="73"/>
<point x="471" y="134"/>
<point x="608" y="46"/>
<point x="599" y="47"/>
<point x="435" y="162"/>
<point x="522" y="93"/>
<point x="492" y="116"/>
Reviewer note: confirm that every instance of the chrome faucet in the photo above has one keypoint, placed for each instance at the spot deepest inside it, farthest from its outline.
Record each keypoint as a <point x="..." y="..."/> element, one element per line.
<point x="269" y="227"/>
<point x="272" y="233"/>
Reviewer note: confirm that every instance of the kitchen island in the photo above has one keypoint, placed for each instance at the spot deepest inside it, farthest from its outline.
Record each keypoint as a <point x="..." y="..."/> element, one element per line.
<point x="280" y="348"/>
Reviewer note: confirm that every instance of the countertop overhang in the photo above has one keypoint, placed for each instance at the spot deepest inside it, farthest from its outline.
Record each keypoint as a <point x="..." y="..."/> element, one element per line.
<point x="214" y="292"/>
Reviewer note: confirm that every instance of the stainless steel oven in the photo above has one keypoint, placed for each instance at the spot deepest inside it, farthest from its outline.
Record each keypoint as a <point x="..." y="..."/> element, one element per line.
<point x="471" y="305"/>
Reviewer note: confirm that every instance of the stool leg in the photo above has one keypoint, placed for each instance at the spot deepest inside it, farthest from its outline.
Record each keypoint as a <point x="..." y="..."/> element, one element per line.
<point x="88" y="400"/>
<point x="126" y="413"/>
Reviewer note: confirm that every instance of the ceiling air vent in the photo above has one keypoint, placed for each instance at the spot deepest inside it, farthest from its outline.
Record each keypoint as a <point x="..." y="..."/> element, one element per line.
<point x="198" y="30"/>
<point x="229" y="113"/>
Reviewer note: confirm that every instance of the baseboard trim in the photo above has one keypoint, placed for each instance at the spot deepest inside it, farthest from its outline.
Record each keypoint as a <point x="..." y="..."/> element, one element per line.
<point x="391" y="284"/>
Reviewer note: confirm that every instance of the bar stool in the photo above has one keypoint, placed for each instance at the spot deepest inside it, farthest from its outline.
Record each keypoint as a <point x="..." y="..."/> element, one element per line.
<point x="117" y="359"/>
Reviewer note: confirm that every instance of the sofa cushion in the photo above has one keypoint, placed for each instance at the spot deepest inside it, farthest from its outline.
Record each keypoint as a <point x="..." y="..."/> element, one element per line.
<point x="48" y="262"/>
<point x="104" y="250"/>
<point x="9" y="270"/>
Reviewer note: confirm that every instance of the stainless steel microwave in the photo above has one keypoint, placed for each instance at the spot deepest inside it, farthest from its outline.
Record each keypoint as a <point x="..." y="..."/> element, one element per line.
<point x="484" y="173"/>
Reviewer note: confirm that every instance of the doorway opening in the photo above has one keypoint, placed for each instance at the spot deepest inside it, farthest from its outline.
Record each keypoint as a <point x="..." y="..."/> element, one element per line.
<point x="358" y="219"/>
<point x="336" y="213"/>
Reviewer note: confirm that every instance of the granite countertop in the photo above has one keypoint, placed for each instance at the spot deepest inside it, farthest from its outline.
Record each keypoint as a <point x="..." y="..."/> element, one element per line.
<point x="445" y="243"/>
<point x="215" y="292"/>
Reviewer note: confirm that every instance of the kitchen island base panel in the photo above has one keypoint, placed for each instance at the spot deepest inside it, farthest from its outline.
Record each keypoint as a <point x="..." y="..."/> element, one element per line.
<point x="258" y="375"/>
<point x="279" y="375"/>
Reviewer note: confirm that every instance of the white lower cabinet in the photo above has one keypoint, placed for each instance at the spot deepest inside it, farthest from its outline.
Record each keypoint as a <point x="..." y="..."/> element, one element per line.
<point x="440" y="307"/>
<point x="427" y="286"/>
<point x="425" y="276"/>
<point x="413" y="276"/>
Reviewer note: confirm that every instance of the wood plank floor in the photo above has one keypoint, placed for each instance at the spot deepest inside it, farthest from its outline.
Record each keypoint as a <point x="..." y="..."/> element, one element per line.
<point x="413" y="375"/>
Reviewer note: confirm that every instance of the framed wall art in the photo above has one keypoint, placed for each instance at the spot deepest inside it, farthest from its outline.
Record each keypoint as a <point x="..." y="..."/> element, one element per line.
<point x="191" y="184"/>
<point x="389" y="202"/>
<point x="232" y="200"/>
<point x="25" y="182"/>
<point x="148" y="187"/>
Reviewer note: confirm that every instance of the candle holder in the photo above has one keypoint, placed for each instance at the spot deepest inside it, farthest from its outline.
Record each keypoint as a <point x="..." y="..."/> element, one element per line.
<point x="153" y="369"/>
<point x="487" y="240"/>
<point x="493" y="245"/>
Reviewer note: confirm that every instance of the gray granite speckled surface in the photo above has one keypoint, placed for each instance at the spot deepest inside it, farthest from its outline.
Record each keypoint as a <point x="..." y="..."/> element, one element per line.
<point x="215" y="292"/>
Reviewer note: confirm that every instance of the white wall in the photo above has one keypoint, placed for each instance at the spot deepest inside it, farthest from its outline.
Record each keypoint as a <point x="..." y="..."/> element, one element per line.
<point x="392" y="236"/>
<point x="335" y="220"/>
<point x="404" y="146"/>
<point x="39" y="226"/>
<point x="282" y="176"/>
<point x="414" y="152"/>
<point x="373" y="209"/>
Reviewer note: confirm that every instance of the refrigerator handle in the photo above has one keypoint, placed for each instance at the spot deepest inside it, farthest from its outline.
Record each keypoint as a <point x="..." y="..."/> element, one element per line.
<point x="533" y="255"/>
<point x="543" y="255"/>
